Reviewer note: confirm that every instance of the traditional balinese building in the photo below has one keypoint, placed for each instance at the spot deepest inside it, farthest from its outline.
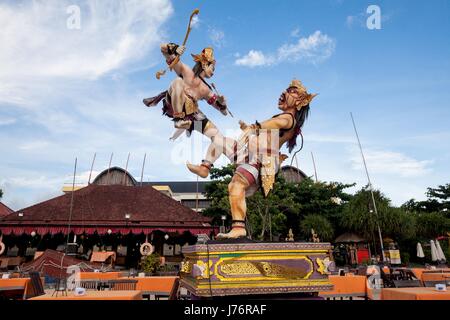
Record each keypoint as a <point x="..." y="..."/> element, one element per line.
<point x="112" y="213"/>
<point x="191" y="194"/>
<point x="4" y="210"/>
<point x="292" y="174"/>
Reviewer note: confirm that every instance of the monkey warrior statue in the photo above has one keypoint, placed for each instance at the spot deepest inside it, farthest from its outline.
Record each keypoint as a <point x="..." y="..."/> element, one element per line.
<point x="180" y="101"/>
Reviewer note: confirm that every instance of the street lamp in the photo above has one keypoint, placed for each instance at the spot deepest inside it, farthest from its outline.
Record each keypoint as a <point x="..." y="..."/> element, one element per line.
<point x="222" y="228"/>
<point x="127" y="217"/>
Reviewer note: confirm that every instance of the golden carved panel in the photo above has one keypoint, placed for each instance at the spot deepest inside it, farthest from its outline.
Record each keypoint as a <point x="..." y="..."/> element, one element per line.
<point x="231" y="269"/>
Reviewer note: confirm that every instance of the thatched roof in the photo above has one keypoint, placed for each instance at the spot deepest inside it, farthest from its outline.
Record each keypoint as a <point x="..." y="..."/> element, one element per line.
<point x="4" y="210"/>
<point x="100" y="207"/>
<point x="349" y="237"/>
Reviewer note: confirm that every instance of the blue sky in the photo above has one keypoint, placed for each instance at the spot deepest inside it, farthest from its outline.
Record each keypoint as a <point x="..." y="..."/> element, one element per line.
<point x="67" y="93"/>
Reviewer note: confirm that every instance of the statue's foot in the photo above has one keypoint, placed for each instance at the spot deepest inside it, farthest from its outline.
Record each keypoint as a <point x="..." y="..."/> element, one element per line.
<point x="233" y="234"/>
<point x="201" y="170"/>
<point x="183" y="124"/>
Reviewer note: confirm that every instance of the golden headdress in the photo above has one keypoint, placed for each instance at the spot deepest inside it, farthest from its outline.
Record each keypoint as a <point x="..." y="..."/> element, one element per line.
<point x="305" y="97"/>
<point x="206" y="56"/>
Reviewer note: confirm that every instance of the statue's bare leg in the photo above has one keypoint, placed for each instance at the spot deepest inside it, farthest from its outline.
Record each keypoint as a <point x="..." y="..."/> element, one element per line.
<point x="178" y="98"/>
<point x="219" y="145"/>
<point x="236" y="191"/>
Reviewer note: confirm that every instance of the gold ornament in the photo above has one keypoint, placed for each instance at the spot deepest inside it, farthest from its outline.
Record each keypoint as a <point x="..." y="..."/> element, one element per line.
<point x="304" y="97"/>
<point x="190" y="105"/>
<point x="268" y="171"/>
<point x="206" y="56"/>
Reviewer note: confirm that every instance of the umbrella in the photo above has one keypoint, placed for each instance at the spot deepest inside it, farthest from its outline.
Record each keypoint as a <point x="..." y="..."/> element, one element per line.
<point x="434" y="253"/>
<point x="439" y="251"/>
<point x="420" y="250"/>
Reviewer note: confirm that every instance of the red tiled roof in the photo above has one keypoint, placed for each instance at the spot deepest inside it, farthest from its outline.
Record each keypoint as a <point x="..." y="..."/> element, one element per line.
<point x="55" y="263"/>
<point x="98" y="205"/>
<point x="4" y="210"/>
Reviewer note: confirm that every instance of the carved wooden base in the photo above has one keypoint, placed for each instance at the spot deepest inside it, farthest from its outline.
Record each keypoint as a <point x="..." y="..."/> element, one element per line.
<point x="233" y="267"/>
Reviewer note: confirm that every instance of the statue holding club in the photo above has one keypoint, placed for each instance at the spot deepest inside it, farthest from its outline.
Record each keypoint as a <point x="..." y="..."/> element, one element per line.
<point x="180" y="101"/>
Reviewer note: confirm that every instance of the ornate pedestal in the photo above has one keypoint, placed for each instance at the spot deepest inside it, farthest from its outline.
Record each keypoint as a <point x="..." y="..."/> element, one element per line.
<point x="223" y="268"/>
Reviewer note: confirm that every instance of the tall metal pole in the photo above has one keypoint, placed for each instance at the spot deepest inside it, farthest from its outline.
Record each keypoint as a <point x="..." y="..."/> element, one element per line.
<point x="370" y="187"/>
<point x="298" y="169"/>
<point x="142" y="172"/>
<point x="71" y="203"/>
<point x="126" y="170"/>
<point x="109" y="167"/>
<point x="196" y="196"/>
<point x="92" y="167"/>
<point x="314" y="164"/>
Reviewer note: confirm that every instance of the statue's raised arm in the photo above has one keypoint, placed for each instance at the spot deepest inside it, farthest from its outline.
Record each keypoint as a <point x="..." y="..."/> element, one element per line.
<point x="172" y="53"/>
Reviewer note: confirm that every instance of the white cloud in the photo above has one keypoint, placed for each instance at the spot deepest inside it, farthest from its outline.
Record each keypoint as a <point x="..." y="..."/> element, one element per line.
<point x="357" y="19"/>
<point x="35" y="182"/>
<point x="7" y="121"/>
<point x="37" y="45"/>
<point x="34" y="145"/>
<point x="195" y="21"/>
<point x="217" y="37"/>
<point x="295" y="33"/>
<point x="254" y="59"/>
<point x="388" y="162"/>
<point x="315" y="48"/>
<point x="349" y="21"/>
<point x="26" y="187"/>
<point x="73" y="92"/>
<point x="324" y="138"/>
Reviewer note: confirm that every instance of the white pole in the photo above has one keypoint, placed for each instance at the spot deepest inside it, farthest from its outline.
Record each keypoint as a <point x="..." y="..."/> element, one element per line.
<point x="126" y="168"/>
<point x="314" y="164"/>
<point x="92" y="167"/>
<point x="142" y="172"/>
<point x="109" y="167"/>
<point x="370" y="187"/>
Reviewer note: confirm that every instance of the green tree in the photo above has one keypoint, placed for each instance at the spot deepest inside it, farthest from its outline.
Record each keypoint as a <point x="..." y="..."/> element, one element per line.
<point x="429" y="205"/>
<point x="438" y="200"/>
<point x="320" y="224"/>
<point x="431" y="225"/>
<point x="1" y="194"/>
<point x="285" y="206"/>
<point x="441" y="193"/>
<point x="399" y="224"/>
<point x="151" y="263"/>
<point x="359" y="216"/>
<point x="321" y="198"/>
<point x="267" y="215"/>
